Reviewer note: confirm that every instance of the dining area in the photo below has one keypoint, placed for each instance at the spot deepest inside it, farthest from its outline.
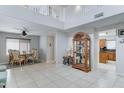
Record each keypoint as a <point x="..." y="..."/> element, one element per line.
<point x="18" y="58"/>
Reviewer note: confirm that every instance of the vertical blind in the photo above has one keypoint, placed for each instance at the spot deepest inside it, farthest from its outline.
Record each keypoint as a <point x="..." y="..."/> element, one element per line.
<point x="17" y="44"/>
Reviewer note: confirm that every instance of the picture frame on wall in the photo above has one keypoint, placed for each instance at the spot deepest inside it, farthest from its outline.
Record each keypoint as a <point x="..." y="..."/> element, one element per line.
<point x="120" y="32"/>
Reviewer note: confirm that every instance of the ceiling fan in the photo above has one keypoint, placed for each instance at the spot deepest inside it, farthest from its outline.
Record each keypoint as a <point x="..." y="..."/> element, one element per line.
<point x="24" y="31"/>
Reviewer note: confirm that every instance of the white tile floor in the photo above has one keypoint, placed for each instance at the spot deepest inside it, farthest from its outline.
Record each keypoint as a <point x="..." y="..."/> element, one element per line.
<point x="43" y="75"/>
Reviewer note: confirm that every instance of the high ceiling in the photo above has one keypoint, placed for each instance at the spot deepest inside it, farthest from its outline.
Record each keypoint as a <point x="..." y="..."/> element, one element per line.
<point x="9" y="24"/>
<point x="13" y="24"/>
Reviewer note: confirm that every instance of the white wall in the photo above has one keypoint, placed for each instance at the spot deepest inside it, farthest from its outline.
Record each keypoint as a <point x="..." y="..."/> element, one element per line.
<point x="61" y="46"/>
<point x="94" y="50"/>
<point x="120" y="57"/>
<point x="70" y="43"/>
<point x="120" y="53"/>
<point x="43" y="47"/>
<point x="111" y="34"/>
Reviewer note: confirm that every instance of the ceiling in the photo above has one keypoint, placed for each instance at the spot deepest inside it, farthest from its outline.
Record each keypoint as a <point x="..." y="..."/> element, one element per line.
<point x="113" y="20"/>
<point x="10" y="24"/>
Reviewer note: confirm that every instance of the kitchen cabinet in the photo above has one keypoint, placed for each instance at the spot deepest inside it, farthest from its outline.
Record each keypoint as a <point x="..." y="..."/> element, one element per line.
<point x="105" y="56"/>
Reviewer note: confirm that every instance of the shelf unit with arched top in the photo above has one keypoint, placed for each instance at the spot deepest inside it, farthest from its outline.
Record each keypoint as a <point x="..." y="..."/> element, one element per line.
<point x="81" y="52"/>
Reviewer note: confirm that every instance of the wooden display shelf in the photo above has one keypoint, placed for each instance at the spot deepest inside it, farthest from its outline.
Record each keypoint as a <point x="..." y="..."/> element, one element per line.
<point x="81" y="67"/>
<point x="81" y="44"/>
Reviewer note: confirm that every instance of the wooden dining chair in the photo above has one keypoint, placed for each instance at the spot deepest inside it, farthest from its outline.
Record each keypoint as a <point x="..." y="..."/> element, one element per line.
<point x="35" y="56"/>
<point x="16" y="58"/>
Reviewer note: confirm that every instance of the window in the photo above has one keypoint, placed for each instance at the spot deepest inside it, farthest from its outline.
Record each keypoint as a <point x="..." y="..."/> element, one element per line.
<point x="17" y="44"/>
<point x="12" y="44"/>
<point x="102" y="34"/>
<point x="24" y="45"/>
<point x="111" y="44"/>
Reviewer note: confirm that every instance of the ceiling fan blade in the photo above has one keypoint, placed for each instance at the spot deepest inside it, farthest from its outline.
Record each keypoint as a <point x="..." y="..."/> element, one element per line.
<point x="21" y="28"/>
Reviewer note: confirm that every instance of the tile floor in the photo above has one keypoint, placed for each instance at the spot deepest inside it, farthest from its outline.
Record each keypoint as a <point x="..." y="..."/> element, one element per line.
<point x="44" y="75"/>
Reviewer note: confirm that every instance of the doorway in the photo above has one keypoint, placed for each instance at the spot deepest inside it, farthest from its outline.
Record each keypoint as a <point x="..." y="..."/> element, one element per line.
<point x="50" y="49"/>
<point x="107" y="50"/>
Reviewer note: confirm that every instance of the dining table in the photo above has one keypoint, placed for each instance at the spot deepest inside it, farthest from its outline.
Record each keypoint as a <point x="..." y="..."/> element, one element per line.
<point x="25" y="56"/>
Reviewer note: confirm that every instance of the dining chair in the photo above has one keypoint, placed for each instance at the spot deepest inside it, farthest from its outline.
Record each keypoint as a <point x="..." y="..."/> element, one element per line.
<point x="16" y="58"/>
<point x="35" y="56"/>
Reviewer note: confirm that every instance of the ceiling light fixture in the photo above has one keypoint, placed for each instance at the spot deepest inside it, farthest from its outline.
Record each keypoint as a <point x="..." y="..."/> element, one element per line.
<point x="78" y="7"/>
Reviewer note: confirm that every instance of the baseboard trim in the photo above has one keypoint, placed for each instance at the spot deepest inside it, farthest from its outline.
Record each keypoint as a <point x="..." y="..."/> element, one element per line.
<point x="6" y="63"/>
<point x="50" y="61"/>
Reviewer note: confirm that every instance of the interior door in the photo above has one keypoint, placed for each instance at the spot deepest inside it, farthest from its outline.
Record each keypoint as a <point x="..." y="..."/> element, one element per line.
<point x="50" y="49"/>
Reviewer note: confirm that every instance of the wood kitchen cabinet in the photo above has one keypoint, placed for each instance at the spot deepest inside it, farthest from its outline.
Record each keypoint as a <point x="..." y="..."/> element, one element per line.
<point x="102" y="43"/>
<point x="105" y="56"/>
<point x="111" y="56"/>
